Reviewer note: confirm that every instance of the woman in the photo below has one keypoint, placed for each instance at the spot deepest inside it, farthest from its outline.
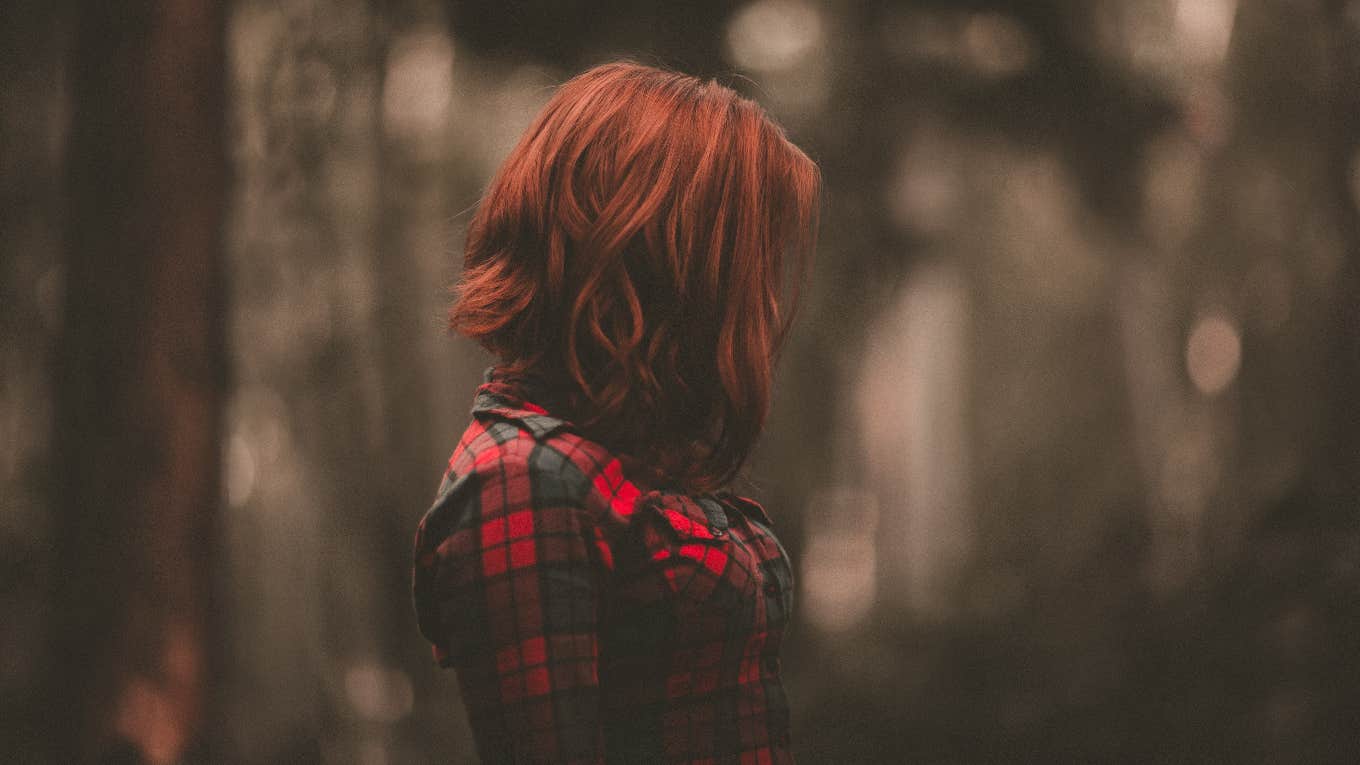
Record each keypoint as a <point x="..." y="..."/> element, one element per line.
<point x="601" y="594"/>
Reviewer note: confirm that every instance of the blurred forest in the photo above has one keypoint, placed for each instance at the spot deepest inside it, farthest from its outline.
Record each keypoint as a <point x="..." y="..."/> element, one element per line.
<point x="1065" y="446"/>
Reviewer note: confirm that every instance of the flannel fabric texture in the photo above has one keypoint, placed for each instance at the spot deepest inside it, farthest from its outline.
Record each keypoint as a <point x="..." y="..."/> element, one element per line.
<point x="590" y="621"/>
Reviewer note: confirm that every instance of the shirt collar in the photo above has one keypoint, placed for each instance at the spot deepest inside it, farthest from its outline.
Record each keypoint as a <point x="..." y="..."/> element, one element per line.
<point x="518" y="399"/>
<point x="510" y="398"/>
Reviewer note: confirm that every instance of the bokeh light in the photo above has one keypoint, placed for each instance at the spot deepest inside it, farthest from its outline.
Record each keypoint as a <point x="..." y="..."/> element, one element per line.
<point x="774" y="35"/>
<point x="996" y="46"/>
<point x="418" y="90"/>
<point x="378" y="693"/>
<point x="987" y="45"/>
<point x="926" y="195"/>
<point x="839" y="561"/>
<point x="1213" y="352"/>
<point x="1205" y="28"/>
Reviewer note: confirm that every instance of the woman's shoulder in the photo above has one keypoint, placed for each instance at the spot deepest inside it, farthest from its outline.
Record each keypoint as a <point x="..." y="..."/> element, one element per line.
<point x="503" y="480"/>
<point x="530" y="454"/>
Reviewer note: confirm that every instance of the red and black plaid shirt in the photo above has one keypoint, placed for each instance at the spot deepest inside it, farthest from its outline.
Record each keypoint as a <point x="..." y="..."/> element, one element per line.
<point x="590" y="621"/>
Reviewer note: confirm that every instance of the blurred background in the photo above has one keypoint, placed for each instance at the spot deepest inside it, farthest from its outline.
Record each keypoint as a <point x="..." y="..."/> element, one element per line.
<point x="1064" y="445"/>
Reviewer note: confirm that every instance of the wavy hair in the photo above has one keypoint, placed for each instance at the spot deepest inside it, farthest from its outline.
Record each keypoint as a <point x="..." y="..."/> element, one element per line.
<point x="629" y="254"/>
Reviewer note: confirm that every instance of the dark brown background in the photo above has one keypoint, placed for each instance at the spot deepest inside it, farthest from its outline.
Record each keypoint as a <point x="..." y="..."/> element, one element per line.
<point x="1064" y="445"/>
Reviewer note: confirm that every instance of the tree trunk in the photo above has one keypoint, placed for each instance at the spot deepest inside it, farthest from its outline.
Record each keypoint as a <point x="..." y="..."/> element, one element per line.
<point x="138" y="381"/>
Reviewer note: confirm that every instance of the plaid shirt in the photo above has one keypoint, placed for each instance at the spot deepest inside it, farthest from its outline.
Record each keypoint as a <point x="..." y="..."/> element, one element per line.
<point x="590" y="621"/>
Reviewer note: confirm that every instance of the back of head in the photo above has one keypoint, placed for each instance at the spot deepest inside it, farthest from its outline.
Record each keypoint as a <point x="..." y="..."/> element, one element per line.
<point x="630" y="253"/>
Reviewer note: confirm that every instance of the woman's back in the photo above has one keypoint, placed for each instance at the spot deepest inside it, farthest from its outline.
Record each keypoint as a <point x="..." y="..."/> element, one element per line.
<point x="591" y="620"/>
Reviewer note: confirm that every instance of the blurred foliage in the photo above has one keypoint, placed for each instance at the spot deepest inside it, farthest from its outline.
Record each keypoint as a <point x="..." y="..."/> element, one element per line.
<point x="1065" y="444"/>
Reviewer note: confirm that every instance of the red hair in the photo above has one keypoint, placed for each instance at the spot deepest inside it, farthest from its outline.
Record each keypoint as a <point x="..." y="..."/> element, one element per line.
<point x="629" y="253"/>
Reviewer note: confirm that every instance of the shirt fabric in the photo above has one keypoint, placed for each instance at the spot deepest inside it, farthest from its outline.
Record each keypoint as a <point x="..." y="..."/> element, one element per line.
<point x="592" y="621"/>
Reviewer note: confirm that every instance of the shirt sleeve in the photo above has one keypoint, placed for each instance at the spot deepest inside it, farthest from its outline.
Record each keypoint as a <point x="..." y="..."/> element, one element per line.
<point x="507" y="590"/>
